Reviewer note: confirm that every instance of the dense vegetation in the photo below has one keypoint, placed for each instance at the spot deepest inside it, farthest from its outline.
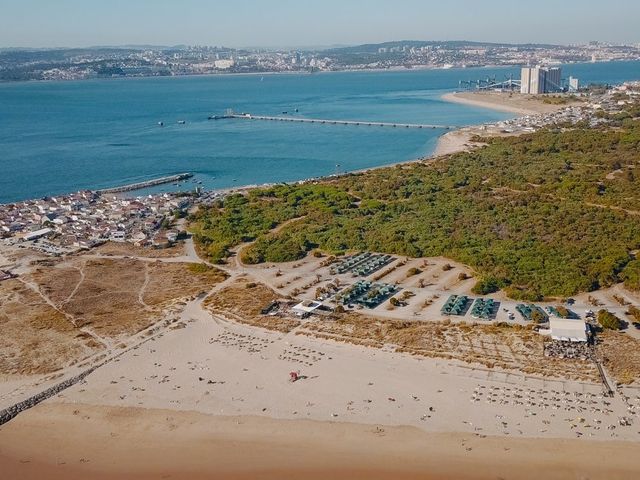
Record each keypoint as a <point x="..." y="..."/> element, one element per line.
<point x="634" y="312"/>
<point x="631" y="275"/>
<point x="609" y="321"/>
<point x="545" y="214"/>
<point x="559" y="99"/>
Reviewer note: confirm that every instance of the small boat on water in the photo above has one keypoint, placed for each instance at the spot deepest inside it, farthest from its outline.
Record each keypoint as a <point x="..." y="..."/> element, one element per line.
<point x="181" y="122"/>
<point x="161" y="124"/>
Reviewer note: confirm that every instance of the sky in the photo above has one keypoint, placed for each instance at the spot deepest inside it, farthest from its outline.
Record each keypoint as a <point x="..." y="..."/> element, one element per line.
<point x="311" y="23"/>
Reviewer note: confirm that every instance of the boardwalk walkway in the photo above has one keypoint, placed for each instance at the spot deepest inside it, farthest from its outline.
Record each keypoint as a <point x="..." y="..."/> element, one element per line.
<point x="248" y="116"/>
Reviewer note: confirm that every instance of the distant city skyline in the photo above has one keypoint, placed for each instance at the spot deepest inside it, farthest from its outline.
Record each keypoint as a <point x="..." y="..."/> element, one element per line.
<point x="307" y="23"/>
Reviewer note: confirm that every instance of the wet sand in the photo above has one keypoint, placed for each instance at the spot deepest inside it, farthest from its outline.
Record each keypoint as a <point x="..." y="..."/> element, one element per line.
<point x="66" y="441"/>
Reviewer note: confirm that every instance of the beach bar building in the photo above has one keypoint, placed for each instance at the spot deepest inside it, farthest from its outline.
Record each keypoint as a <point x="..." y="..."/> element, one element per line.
<point x="306" y="308"/>
<point x="568" y="329"/>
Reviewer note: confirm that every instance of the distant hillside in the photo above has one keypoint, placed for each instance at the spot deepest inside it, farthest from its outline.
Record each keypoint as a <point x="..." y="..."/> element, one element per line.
<point x="374" y="47"/>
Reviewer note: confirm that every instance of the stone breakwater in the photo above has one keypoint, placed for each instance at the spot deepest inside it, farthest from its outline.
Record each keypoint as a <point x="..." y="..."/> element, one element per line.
<point x="12" y="411"/>
<point x="148" y="183"/>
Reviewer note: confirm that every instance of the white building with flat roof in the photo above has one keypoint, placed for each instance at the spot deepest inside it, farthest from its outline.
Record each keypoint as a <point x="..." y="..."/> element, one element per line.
<point x="568" y="329"/>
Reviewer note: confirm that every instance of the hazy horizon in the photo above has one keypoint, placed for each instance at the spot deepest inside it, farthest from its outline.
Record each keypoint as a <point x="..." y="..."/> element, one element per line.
<point x="305" y="24"/>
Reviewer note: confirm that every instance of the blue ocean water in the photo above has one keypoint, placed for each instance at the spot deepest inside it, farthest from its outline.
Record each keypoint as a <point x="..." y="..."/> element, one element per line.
<point x="58" y="137"/>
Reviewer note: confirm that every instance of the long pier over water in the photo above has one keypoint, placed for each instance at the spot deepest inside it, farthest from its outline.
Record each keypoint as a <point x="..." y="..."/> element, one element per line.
<point x="147" y="183"/>
<point x="248" y="116"/>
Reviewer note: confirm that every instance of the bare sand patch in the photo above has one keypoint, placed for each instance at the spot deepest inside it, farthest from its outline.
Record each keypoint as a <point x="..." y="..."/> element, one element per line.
<point x="121" y="296"/>
<point x="62" y="310"/>
<point x="36" y="338"/>
<point x="507" y="347"/>
<point x="127" y="249"/>
<point x="244" y="301"/>
<point x="171" y="281"/>
<point x="621" y="356"/>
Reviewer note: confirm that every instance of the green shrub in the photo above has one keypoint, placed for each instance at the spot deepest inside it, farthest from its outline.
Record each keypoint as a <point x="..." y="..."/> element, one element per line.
<point x="609" y="321"/>
<point x="537" y="316"/>
<point x="634" y="312"/>
<point x="631" y="275"/>
<point x="526" y="294"/>
<point x="199" y="268"/>
<point x="413" y="271"/>
<point x="485" y="286"/>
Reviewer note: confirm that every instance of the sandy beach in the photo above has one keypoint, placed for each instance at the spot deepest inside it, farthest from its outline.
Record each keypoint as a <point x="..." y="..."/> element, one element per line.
<point x="110" y="442"/>
<point x="454" y="142"/>
<point x="504" y="102"/>
<point x="521" y="105"/>
<point x="214" y="400"/>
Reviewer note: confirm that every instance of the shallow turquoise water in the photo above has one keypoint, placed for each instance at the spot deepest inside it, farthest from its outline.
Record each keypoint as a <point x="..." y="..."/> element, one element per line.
<point x="58" y="137"/>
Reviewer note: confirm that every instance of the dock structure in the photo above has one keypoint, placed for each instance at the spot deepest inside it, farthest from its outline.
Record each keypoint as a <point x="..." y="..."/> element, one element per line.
<point x="147" y="183"/>
<point x="248" y="116"/>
